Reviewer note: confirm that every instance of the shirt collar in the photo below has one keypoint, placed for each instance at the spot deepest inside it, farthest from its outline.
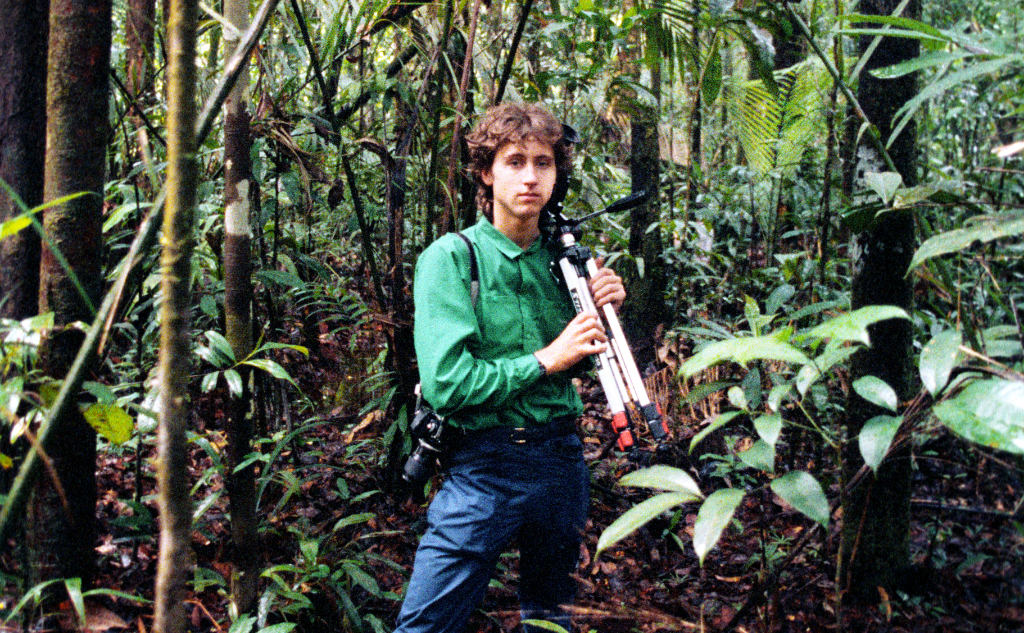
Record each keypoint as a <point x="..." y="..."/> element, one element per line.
<point x="507" y="247"/>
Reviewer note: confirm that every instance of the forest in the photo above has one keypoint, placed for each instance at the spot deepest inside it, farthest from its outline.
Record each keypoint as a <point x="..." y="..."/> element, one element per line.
<point x="210" y="215"/>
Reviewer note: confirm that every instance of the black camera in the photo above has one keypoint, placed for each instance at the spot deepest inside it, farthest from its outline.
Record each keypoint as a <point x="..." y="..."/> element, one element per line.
<point x="427" y="429"/>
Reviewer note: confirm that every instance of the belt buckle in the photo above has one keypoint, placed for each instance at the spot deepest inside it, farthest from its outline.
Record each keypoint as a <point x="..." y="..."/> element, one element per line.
<point x="517" y="437"/>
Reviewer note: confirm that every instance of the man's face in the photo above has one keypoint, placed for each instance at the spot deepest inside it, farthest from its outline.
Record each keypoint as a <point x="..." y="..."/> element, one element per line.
<point x="522" y="178"/>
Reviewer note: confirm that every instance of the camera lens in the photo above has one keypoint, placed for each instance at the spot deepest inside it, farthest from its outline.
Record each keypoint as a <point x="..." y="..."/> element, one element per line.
<point x="418" y="467"/>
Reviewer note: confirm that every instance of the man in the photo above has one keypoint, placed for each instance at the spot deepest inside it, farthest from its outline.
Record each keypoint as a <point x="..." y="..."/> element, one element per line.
<point x="497" y="369"/>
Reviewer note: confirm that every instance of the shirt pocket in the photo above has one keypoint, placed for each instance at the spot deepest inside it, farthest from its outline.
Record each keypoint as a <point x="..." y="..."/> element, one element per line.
<point x="501" y="325"/>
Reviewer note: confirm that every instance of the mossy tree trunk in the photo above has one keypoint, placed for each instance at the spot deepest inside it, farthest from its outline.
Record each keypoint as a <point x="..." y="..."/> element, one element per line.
<point x="23" y="29"/>
<point x="238" y="184"/>
<point x="175" y="560"/>
<point x="62" y="513"/>
<point x="876" y="514"/>
<point x="644" y="309"/>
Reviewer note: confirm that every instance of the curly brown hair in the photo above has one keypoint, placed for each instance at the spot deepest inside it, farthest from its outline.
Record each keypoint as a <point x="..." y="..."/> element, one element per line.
<point x="512" y="123"/>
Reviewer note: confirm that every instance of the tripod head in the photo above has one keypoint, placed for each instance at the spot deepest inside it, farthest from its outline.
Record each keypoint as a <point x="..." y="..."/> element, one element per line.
<point x="553" y="223"/>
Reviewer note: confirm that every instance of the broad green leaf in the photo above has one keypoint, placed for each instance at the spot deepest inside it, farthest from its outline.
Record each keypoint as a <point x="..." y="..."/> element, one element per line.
<point x="760" y="455"/>
<point x="988" y="412"/>
<point x="280" y="627"/>
<point x="209" y="381"/>
<point x="714" y="514"/>
<point x="704" y="390"/>
<point x="982" y="229"/>
<point x="742" y="351"/>
<point x="661" y="477"/>
<point x="835" y="352"/>
<point x="363" y="579"/>
<point x="769" y="427"/>
<point x="353" y="519"/>
<point x="220" y="345"/>
<point x="638" y="515"/>
<point x="720" y="420"/>
<point x="234" y="380"/>
<point x="778" y="297"/>
<point x="938" y="357"/>
<point x="853" y="326"/>
<point x="875" y="438"/>
<point x="74" y="588"/>
<point x="243" y="624"/>
<point x="1001" y="341"/>
<point x="776" y="395"/>
<point x="271" y="368"/>
<point x="110" y="421"/>
<point x="712" y="75"/>
<point x="884" y="183"/>
<point x="877" y="392"/>
<point x="737" y="397"/>
<point x="804" y="493"/>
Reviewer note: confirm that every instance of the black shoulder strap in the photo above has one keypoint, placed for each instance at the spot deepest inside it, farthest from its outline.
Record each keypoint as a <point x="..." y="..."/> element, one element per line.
<point x="474" y="273"/>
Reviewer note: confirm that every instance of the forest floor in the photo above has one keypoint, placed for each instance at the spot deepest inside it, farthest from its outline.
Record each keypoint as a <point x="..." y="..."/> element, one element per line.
<point x="338" y="546"/>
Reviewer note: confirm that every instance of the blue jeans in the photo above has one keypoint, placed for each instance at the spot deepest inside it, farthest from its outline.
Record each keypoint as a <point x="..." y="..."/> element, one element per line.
<point x="496" y="492"/>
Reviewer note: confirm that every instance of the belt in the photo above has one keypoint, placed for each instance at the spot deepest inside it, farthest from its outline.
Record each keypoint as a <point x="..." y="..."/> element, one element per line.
<point x="556" y="427"/>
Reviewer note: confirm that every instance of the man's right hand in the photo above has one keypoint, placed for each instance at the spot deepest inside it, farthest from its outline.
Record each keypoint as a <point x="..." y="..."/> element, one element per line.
<point x="583" y="337"/>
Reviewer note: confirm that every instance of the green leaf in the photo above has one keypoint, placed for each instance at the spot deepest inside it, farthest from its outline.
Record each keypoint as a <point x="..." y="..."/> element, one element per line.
<point x="760" y="455"/>
<point x="987" y="412"/>
<point x="220" y="345"/>
<point x="209" y="381"/>
<point x="280" y="627"/>
<point x="853" y="326"/>
<point x="737" y="397"/>
<point x="875" y="438"/>
<point x="74" y="587"/>
<point x="925" y="60"/>
<point x="938" y="357"/>
<point x="835" y="352"/>
<point x="769" y="427"/>
<point x="714" y="514"/>
<point x="544" y="624"/>
<point x="638" y="515"/>
<point x="718" y="422"/>
<point x="804" y="493"/>
<point x="982" y="229"/>
<point x="743" y="350"/>
<point x="14" y="225"/>
<point x="363" y="579"/>
<point x="712" y="75"/>
<point x="883" y="183"/>
<point x="110" y="421"/>
<point x="234" y="380"/>
<point x="271" y="368"/>
<point x="662" y="477"/>
<point x="353" y="519"/>
<point x="877" y="392"/>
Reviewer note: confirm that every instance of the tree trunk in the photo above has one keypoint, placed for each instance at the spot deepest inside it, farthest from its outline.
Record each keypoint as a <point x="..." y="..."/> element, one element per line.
<point x="175" y="261"/>
<point x="139" y="34"/>
<point x="62" y="513"/>
<point x="644" y="309"/>
<point x="23" y="32"/>
<point x="876" y="515"/>
<point x="237" y="321"/>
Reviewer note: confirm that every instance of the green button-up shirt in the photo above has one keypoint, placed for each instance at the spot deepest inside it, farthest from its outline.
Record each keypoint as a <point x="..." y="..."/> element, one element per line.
<point x="477" y="366"/>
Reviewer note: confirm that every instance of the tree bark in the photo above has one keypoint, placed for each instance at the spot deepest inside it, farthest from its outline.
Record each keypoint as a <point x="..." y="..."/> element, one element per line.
<point x="23" y="33"/>
<point x="876" y="515"/>
<point x="644" y="309"/>
<point x="62" y="514"/>
<point x="237" y="321"/>
<point x="172" y="475"/>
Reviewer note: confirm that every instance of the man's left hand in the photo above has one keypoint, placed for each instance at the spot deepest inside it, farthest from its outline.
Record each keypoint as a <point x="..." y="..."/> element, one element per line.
<point x="606" y="287"/>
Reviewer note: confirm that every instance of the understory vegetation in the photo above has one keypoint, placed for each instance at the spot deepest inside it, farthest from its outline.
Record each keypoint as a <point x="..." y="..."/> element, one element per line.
<point x="744" y="271"/>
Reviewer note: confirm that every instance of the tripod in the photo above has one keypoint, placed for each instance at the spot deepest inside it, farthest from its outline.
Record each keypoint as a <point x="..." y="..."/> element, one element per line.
<point x="616" y="368"/>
